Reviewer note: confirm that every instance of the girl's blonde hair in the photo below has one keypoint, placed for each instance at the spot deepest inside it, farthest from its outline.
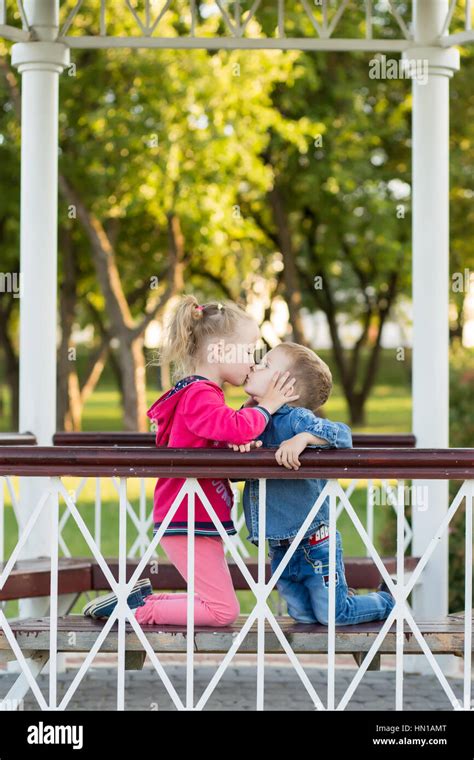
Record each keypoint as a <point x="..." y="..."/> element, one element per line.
<point x="190" y="328"/>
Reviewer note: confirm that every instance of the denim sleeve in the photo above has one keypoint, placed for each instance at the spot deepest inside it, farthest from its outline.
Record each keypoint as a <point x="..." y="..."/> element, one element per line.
<point x="337" y="434"/>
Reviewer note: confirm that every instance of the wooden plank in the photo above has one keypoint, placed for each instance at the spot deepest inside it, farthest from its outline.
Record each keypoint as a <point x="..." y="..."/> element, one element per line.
<point x="129" y="462"/>
<point x="361" y="572"/>
<point x="32" y="577"/>
<point x="17" y="439"/>
<point x="442" y="636"/>
<point x="97" y="438"/>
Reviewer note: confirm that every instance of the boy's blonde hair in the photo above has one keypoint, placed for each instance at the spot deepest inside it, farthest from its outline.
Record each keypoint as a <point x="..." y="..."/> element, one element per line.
<point x="191" y="326"/>
<point x="312" y="374"/>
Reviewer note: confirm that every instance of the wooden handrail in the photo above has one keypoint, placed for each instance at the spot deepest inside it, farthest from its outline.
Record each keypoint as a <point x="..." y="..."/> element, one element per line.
<point x="360" y="440"/>
<point x="457" y="464"/>
<point x="105" y="438"/>
<point x="17" y="439"/>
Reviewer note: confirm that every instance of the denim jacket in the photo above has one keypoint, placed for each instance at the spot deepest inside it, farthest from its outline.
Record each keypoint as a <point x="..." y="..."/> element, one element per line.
<point x="289" y="501"/>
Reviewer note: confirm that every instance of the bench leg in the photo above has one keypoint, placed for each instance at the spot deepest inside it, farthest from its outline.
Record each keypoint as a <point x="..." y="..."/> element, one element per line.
<point x="65" y="604"/>
<point x="359" y="657"/>
<point x="134" y="660"/>
<point x="36" y="662"/>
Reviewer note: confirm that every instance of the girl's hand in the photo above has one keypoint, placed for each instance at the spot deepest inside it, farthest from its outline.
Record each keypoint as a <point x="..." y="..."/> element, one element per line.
<point x="251" y="401"/>
<point x="245" y="446"/>
<point x="289" y="451"/>
<point x="279" y="392"/>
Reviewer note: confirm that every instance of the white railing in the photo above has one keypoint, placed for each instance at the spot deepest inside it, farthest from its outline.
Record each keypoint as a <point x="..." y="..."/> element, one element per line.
<point x="321" y="21"/>
<point x="141" y="515"/>
<point x="456" y="465"/>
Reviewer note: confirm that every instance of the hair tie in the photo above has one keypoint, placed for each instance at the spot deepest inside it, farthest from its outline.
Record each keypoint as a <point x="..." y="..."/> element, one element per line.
<point x="220" y="306"/>
<point x="199" y="307"/>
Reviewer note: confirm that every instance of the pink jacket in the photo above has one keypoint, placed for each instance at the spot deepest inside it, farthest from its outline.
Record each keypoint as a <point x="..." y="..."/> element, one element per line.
<point x="193" y="414"/>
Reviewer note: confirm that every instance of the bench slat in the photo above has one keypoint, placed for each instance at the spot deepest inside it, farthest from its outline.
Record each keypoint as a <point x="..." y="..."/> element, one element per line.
<point x="361" y="573"/>
<point x="442" y="636"/>
<point x="31" y="577"/>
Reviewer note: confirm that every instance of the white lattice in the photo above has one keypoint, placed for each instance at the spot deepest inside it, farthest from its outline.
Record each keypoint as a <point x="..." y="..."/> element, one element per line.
<point x="240" y="21"/>
<point x="261" y="590"/>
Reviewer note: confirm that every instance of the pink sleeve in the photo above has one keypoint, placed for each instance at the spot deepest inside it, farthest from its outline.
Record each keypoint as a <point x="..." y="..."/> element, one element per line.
<point x="206" y="414"/>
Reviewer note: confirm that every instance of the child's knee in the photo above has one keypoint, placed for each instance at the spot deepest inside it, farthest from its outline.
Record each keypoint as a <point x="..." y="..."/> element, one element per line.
<point x="340" y="617"/>
<point x="322" y="618"/>
<point x="230" y="614"/>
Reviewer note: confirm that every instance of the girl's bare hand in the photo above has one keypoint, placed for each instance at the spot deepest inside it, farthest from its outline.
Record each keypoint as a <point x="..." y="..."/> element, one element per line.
<point x="243" y="447"/>
<point x="279" y="392"/>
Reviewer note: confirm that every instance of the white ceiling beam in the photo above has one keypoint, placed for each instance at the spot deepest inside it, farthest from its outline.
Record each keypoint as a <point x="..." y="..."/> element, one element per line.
<point x="9" y="32"/>
<point x="462" y="38"/>
<point x="249" y="43"/>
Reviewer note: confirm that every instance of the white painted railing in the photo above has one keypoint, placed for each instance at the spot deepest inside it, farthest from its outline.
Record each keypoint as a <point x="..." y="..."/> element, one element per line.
<point x="319" y="25"/>
<point x="142" y="518"/>
<point x="261" y="613"/>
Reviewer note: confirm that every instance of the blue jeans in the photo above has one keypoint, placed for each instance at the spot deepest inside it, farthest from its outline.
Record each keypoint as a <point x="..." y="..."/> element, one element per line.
<point x="304" y="584"/>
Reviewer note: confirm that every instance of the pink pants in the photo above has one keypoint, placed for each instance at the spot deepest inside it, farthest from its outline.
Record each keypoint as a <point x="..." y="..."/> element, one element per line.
<point x="215" y="601"/>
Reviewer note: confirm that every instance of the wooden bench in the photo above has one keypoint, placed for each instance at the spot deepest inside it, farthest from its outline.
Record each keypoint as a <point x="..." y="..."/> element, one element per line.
<point x="31" y="578"/>
<point x="32" y="635"/>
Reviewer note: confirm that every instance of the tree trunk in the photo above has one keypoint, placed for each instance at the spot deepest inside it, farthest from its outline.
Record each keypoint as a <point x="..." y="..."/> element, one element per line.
<point x="12" y="368"/>
<point x="122" y="325"/>
<point x="290" y="272"/>
<point x="132" y="366"/>
<point x="67" y="308"/>
<point x="357" y="409"/>
<point x="73" y="417"/>
<point x="12" y="377"/>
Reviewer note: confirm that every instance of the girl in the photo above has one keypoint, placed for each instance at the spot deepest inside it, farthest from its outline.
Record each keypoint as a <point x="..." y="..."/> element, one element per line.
<point x="208" y="344"/>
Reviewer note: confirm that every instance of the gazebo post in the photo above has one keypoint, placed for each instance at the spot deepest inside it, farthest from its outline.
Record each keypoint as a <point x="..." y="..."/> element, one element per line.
<point x="39" y="63"/>
<point x="430" y="146"/>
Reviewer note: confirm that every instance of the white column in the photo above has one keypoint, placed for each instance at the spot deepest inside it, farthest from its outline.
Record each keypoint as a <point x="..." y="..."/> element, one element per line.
<point x="39" y="63"/>
<point x="430" y="164"/>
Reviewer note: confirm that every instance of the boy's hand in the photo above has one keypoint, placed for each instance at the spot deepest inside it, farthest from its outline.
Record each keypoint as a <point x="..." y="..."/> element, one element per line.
<point x="288" y="452"/>
<point x="245" y="446"/>
<point x="279" y="392"/>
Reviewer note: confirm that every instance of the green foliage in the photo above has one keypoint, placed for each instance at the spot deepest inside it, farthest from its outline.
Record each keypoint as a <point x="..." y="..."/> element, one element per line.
<point x="461" y="436"/>
<point x="206" y="134"/>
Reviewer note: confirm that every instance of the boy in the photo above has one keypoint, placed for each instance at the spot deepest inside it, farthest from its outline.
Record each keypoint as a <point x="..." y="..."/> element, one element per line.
<point x="304" y="582"/>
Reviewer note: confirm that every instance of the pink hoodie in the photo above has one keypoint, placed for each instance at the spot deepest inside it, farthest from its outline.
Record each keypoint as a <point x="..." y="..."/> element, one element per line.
<point x="193" y="414"/>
